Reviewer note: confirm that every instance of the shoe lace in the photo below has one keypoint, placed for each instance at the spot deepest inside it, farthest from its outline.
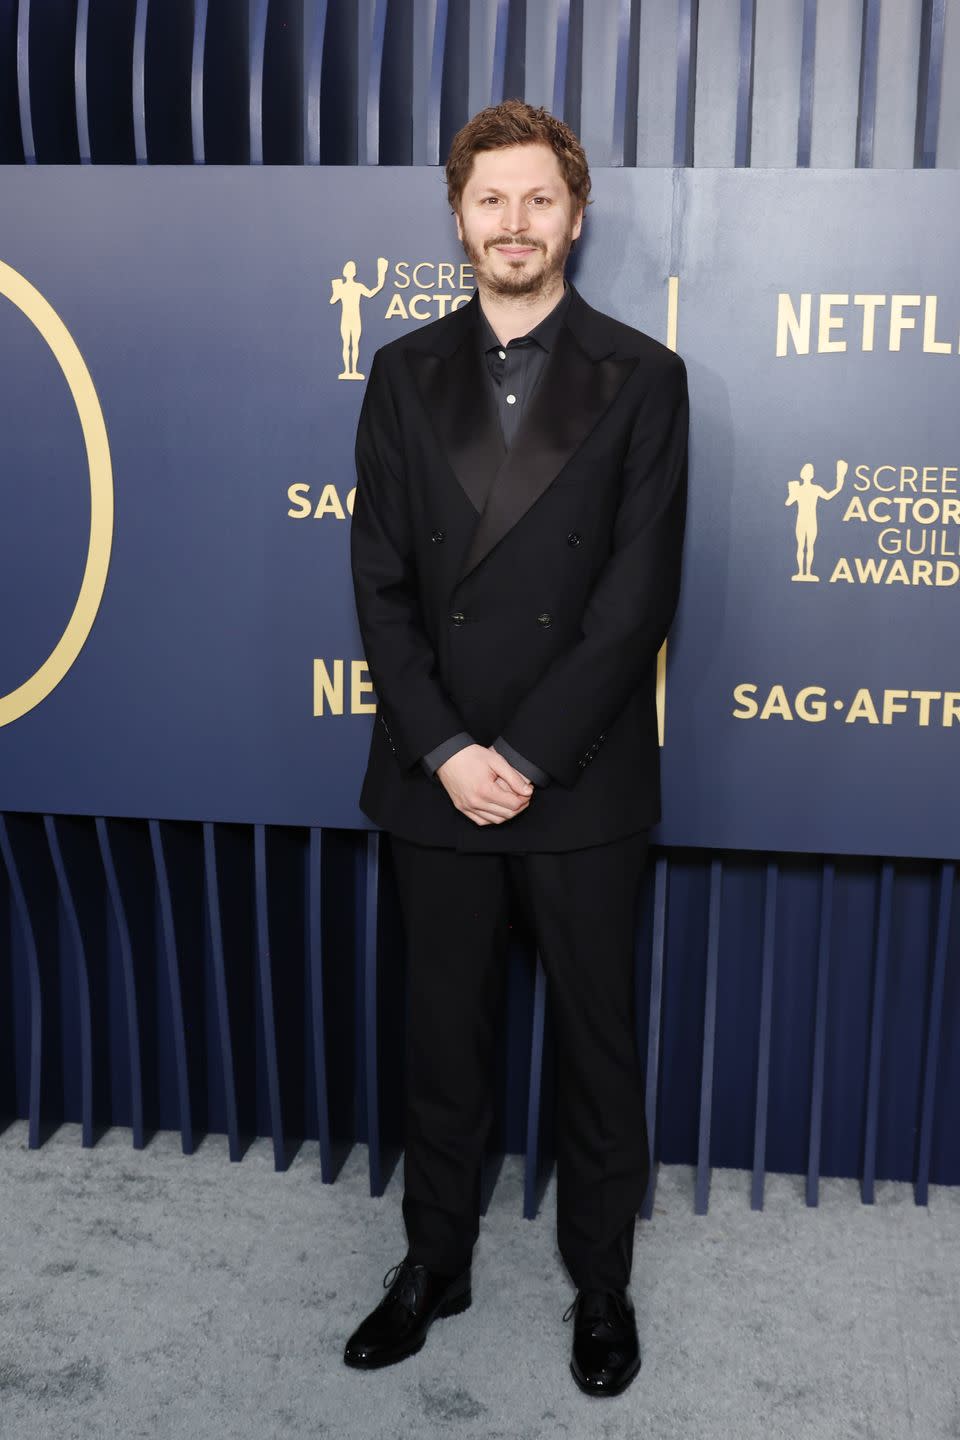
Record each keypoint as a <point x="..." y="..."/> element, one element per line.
<point x="405" y="1291"/>
<point x="599" y="1321"/>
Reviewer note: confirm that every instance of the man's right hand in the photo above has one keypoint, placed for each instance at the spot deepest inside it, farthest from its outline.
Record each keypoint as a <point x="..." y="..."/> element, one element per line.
<point x="483" y="786"/>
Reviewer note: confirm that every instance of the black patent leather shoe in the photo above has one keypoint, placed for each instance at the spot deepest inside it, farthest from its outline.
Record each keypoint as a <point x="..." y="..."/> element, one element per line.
<point x="606" y="1352"/>
<point x="399" y="1324"/>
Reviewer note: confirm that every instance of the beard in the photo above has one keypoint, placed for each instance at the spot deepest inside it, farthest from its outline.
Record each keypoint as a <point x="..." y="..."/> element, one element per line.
<point x="519" y="279"/>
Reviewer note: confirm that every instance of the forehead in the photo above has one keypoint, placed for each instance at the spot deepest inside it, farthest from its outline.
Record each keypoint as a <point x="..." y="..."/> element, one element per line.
<point x="515" y="167"/>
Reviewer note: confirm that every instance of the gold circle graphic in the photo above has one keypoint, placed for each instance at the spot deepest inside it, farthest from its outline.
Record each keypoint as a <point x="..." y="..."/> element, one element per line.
<point x="44" y="318"/>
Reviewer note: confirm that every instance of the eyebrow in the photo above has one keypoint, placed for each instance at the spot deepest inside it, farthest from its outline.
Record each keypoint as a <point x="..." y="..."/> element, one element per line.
<point x="533" y="190"/>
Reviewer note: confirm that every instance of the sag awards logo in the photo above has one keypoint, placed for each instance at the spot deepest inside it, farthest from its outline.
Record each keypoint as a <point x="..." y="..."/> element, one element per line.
<point x="418" y="290"/>
<point x="45" y="320"/>
<point x="901" y="525"/>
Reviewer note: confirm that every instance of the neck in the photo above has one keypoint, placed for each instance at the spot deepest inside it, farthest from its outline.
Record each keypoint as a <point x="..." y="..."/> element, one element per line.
<point x="511" y="316"/>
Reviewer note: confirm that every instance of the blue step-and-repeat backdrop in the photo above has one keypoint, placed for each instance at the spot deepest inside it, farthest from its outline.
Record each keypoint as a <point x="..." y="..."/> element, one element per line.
<point x="183" y="353"/>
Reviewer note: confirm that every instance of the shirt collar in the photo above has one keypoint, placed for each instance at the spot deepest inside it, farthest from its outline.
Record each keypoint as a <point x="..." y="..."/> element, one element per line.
<point x="545" y="334"/>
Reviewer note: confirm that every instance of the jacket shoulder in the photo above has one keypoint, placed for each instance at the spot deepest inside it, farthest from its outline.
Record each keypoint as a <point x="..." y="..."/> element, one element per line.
<point x="437" y="337"/>
<point x="627" y="341"/>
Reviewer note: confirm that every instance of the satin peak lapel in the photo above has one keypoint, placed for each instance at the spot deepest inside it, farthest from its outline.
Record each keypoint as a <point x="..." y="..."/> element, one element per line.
<point x="574" y="392"/>
<point x="458" y="399"/>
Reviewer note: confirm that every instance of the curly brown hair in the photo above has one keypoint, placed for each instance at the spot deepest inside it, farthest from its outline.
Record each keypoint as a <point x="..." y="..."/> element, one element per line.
<point x="514" y="122"/>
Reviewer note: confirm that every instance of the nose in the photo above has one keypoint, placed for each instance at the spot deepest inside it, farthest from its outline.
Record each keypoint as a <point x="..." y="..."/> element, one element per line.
<point x="515" y="218"/>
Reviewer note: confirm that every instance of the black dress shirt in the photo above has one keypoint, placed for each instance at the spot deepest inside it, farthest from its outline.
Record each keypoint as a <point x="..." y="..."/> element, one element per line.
<point x="515" y="370"/>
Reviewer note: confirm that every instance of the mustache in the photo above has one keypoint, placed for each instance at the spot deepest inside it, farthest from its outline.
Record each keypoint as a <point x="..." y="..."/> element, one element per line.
<point x="512" y="240"/>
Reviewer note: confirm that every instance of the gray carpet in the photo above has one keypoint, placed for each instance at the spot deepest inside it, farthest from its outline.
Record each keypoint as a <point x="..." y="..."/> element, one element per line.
<point x="151" y="1295"/>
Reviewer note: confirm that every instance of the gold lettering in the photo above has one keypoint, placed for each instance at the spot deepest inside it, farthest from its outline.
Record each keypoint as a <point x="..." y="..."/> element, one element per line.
<point x="297" y="495"/>
<point x="744" y="696"/>
<point x="327" y="687"/>
<point x="829" y="321"/>
<point x="777" y="704"/>
<point x="816" y="709"/>
<point x="361" y="685"/>
<point x="792" y="326"/>
<point x="923" y="698"/>
<point x="871" y="304"/>
<point x="893" y="704"/>
<point x="329" y="504"/>
<point x="931" y="345"/>
<point x="900" y="322"/>
<point x="862" y="708"/>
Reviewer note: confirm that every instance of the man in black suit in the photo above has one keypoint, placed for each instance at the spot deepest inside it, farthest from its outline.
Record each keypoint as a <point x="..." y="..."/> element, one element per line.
<point x="516" y="556"/>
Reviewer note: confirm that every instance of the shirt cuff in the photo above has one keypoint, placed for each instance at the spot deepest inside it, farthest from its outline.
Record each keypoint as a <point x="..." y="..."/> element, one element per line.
<point x="519" y="762"/>
<point x="440" y="754"/>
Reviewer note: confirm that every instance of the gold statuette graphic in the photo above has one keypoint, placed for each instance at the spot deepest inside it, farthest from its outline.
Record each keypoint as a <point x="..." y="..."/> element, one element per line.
<point x="346" y="291"/>
<point x="806" y="496"/>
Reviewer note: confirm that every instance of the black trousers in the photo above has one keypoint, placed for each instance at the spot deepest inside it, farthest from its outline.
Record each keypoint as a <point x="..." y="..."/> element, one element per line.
<point x="581" y="904"/>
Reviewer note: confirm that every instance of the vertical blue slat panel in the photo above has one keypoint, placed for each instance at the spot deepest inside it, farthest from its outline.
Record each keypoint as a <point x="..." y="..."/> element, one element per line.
<point x="140" y="82"/>
<point x="315" y="24"/>
<point x="32" y="886"/>
<point x="777" y="82"/>
<point x="81" y="72"/>
<point x="898" y="73"/>
<point x="702" y="1192"/>
<point x="935" y="1025"/>
<point x="11" y="137"/>
<point x="226" y="82"/>
<point x="196" y="81"/>
<point x="808" y="46"/>
<point x="820" y="1035"/>
<point x="624" y="150"/>
<point x="435" y="96"/>
<point x="718" y="67"/>
<point x="258" y="41"/>
<point x="748" y="27"/>
<point x="370" y="89"/>
<point x="933" y="21"/>
<point x="172" y="963"/>
<point x="836" y="83"/>
<point x="498" y="68"/>
<point x="131" y="997"/>
<point x="763" y="1045"/>
<point x="46" y="41"/>
<point x="869" y="55"/>
<point x="221" y="988"/>
<point x="881" y="964"/>
<point x="655" y="1020"/>
<point x="265" y="975"/>
<point x="167" y="62"/>
<point x="687" y="15"/>
<point x="91" y="1008"/>
<point x="11" y="1032"/>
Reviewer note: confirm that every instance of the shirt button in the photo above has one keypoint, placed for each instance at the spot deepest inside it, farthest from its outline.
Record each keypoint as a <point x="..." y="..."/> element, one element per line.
<point x="457" y="618"/>
<point x="511" y="399"/>
<point x="438" y="537"/>
<point x="544" y="619"/>
<point x="502" y="354"/>
<point x="573" y="538"/>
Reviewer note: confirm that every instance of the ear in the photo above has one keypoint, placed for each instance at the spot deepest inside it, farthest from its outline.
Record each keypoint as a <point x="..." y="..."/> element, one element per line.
<point x="456" y="216"/>
<point x="577" y="224"/>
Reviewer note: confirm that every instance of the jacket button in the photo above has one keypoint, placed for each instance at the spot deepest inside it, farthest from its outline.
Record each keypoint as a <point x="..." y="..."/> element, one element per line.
<point x="457" y="618"/>
<point x="544" y="619"/>
<point x="573" y="538"/>
<point x="438" y="537"/>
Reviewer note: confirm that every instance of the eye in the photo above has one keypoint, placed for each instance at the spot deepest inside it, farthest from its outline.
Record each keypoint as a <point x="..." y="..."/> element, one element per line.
<point x="541" y="200"/>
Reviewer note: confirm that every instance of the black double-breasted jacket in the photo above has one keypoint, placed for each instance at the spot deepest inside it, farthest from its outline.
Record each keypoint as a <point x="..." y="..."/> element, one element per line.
<point x="522" y="594"/>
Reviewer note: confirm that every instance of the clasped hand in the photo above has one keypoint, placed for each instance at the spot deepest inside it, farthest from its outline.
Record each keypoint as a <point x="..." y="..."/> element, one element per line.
<point x="483" y="786"/>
